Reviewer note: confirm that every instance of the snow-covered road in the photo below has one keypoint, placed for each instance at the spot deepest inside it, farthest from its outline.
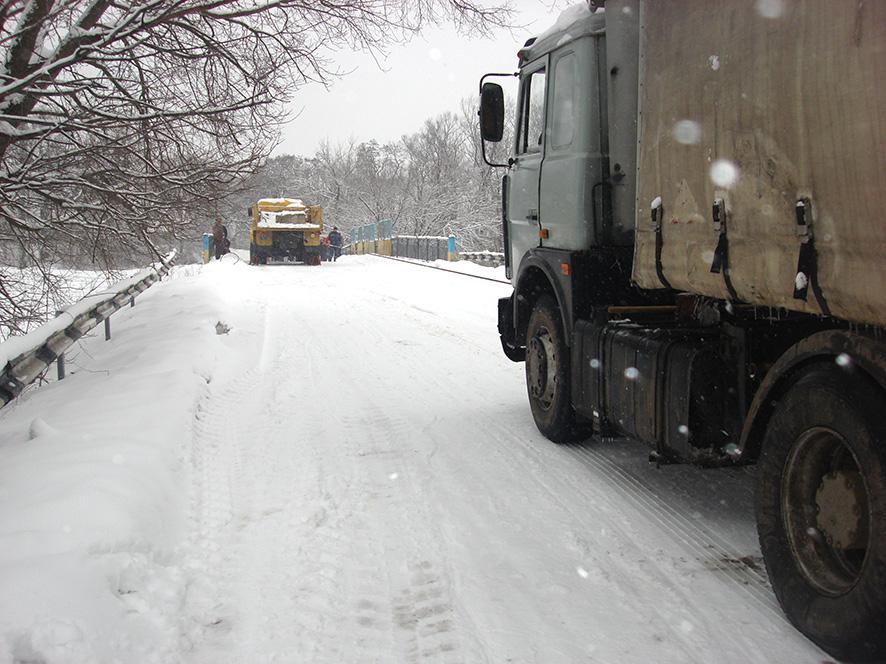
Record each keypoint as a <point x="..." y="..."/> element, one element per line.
<point x="358" y="480"/>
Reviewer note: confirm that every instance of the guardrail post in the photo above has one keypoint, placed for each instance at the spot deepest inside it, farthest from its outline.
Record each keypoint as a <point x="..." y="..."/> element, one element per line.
<point x="132" y="301"/>
<point x="107" y="328"/>
<point x="60" y="365"/>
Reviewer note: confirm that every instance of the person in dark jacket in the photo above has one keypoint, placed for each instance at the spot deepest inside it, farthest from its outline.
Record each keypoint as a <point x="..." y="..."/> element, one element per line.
<point x="335" y="242"/>
<point x="220" y="241"/>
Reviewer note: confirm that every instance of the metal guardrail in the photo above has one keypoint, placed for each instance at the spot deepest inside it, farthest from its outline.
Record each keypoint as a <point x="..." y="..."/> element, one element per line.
<point x="48" y="343"/>
<point x="420" y="247"/>
<point x="488" y="258"/>
<point x="425" y="248"/>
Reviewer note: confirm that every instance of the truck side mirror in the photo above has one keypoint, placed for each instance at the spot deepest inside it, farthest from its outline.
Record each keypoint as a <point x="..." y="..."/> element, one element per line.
<point x="492" y="112"/>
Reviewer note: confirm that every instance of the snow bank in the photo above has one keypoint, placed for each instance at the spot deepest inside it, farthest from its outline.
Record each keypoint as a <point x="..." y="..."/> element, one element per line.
<point x="91" y="501"/>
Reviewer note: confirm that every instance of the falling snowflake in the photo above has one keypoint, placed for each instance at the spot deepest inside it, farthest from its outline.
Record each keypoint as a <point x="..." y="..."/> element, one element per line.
<point x="724" y="173"/>
<point x="843" y="360"/>
<point x="632" y="373"/>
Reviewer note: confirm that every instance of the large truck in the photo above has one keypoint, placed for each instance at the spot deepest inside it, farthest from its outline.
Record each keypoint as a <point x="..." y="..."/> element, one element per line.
<point x="285" y="229"/>
<point x="693" y="219"/>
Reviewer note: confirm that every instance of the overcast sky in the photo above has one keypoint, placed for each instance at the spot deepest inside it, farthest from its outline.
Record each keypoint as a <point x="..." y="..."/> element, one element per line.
<point x="424" y="78"/>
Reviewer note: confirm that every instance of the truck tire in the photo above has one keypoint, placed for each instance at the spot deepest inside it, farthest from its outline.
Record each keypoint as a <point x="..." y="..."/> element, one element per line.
<point x="547" y="374"/>
<point x="821" y="510"/>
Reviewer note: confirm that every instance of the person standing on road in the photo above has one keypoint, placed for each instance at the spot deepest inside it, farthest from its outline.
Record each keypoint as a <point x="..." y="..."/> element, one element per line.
<point x="220" y="239"/>
<point x="335" y="242"/>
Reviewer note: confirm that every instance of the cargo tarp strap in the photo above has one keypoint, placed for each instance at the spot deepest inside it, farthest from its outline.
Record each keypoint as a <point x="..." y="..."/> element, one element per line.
<point x="657" y="214"/>
<point x="720" y="261"/>
<point x="807" y="262"/>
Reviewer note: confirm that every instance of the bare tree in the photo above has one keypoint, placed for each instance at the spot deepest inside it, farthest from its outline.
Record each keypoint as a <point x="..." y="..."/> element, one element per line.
<point x="436" y="174"/>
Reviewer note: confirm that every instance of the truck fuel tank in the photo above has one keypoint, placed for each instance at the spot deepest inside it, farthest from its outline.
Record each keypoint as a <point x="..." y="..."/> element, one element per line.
<point x="668" y="387"/>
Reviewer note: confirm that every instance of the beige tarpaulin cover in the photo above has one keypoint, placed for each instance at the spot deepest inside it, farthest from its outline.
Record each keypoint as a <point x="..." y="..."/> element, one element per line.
<point x="793" y="97"/>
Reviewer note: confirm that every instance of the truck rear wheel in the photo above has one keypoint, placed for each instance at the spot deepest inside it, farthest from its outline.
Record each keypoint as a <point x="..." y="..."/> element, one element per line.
<point x="547" y="373"/>
<point x="821" y="511"/>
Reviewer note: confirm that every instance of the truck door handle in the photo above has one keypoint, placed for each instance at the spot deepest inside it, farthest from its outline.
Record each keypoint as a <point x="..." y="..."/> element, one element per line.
<point x="533" y="214"/>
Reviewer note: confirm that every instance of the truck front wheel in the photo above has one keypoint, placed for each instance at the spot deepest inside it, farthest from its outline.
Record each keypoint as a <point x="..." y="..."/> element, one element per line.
<point x="821" y="510"/>
<point x="547" y="373"/>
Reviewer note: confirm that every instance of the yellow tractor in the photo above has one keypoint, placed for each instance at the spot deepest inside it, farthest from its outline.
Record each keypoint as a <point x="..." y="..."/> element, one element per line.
<point x="285" y="229"/>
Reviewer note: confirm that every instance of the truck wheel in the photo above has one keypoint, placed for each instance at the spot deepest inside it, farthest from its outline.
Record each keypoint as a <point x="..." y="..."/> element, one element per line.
<point x="821" y="511"/>
<point x="547" y="373"/>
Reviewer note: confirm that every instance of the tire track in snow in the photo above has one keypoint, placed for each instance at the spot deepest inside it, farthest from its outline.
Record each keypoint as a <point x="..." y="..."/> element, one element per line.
<point x="437" y="385"/>
<point x="318" y="562"/>
<point x="702" y="543"/>
<point x="621" y="487"/>
<point x="213" y="466"/>
<point x="298" y="513"/>
<point x="431" y="624"/>
<point x="417" y="596"/>
<point x="628" y="580"/>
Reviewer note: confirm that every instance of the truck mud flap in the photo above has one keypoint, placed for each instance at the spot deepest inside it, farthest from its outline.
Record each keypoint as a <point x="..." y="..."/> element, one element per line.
<point x="513" y="350"/>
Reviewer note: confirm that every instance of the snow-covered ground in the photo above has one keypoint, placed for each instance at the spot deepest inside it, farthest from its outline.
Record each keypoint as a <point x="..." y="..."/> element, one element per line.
<point x="351" y="474"/>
